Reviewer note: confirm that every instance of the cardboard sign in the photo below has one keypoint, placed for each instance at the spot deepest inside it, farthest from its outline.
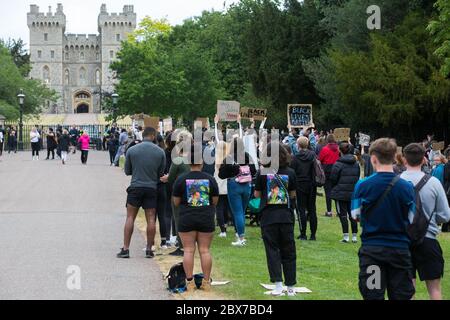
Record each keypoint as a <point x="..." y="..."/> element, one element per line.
<point x="205" y="122"/>
<point x="255" y="113"/>
<point x="342" y="134"/>
<point x="167" y="124"/>
<point x="439" y="146"/>
<point x="228" y="110"/>
<point x="300" y="115"/>
<point x="364" y="140"/>
<point x="151" y="122"/>
<point x="400" y="150"/>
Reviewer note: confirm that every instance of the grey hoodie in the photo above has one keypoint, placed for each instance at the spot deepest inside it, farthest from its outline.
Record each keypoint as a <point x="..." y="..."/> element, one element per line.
<point x="434" y="201"/>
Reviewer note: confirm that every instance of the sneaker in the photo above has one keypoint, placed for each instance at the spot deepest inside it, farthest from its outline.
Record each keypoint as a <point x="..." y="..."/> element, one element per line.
<point x="329" y="214"/>
<point x="177" y="253"/>
<point x="239" y="243"/>
<point x="312" y="238"/>
<point x="223" y="235"/>
<point x="302" y="238"/>
<point x="355" y="239"/>
<point x="123" y="254"/>
<point x="149" y="254"/>
<point x="277" y="293"/>
<point x="291" y="292"/>
<point x="345" y="240"/>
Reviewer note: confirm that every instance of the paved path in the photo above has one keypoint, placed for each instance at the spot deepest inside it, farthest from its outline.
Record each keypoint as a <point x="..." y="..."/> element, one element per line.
<point x="54" y="216"/>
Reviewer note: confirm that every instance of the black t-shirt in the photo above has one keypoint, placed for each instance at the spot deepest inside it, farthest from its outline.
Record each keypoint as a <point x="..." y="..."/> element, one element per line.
<point x="196" y="190"/>
<point x="274" y="199"/>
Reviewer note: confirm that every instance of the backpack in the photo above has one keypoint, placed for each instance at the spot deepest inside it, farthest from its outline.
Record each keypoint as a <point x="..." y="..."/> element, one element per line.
<point x="319" y="174"/>
<point x="418" y="229"/>
<point x="176" y="278"/>
<point x="245" y="175"/>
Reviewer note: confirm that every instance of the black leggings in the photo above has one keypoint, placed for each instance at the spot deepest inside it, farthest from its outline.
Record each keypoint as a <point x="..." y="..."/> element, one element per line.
<point x="35" y="148"/>
<point x="52" y="152"/>
<point x="84" y="156"/>
<point x="112" y="154"/>
<point x="161" y="210"/>
<point x="222" y="212"/>
<point x="280" y="252"/>
<point x="344" y="212"/>
<point x="327" y="187"/>
<point x="306" y="203"/>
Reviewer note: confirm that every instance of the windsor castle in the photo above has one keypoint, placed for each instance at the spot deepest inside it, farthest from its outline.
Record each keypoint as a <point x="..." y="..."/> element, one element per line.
<point x="76" y="66"/>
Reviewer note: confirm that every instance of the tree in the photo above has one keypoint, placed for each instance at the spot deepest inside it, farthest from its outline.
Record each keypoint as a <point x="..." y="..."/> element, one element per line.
<point x="12" y="82"/>
<point x="20" y="55"/>
<point x="440" y="31"/>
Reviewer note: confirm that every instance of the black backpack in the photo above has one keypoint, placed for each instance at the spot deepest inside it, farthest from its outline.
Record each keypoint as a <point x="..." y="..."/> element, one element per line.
<point x="418" y="229"/>
<point x="176" y="278"/>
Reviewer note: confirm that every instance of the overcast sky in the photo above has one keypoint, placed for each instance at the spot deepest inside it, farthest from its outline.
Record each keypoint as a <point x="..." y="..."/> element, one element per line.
<point x="82" y="15"/>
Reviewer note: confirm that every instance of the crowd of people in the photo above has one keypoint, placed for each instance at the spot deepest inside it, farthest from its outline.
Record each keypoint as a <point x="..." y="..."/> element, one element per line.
<point x="399" y="198"/>
<point x="392" y="186"/>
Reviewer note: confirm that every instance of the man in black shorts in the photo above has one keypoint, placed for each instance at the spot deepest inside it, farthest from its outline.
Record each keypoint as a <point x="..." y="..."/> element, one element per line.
<point x="145" y="162"/>
<point x="427" y="257"/>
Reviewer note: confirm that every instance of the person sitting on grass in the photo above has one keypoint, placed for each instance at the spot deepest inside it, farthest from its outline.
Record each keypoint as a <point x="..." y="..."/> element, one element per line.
<point x="196" y="193"/>
<point x="277" y="220"/>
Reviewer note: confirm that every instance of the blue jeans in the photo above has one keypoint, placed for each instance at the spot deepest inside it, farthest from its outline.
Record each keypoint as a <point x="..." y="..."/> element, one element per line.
<point x="238" y="198"/>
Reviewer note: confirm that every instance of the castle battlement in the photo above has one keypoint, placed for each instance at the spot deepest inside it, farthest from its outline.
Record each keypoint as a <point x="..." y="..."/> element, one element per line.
<point x="35" y="18"/>
<point x="126" y="18"/>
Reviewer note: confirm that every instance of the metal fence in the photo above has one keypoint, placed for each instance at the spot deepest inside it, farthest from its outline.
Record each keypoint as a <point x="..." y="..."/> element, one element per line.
<point x="95" y="132"/>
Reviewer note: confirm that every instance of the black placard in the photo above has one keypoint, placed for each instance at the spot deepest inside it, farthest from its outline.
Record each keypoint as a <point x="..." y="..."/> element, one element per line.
<point x="300" y="115"/>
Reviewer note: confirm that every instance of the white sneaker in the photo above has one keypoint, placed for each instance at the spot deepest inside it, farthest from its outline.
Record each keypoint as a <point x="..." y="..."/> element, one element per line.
<point x="223" y="235"/>
<point x="277" y="293"/>
<point x="345" y="240"/>
<point x="239" y="243"/>
<point x="355" y="239"/>
<point x="291" y="292"/>
<point x="164" y="247"/>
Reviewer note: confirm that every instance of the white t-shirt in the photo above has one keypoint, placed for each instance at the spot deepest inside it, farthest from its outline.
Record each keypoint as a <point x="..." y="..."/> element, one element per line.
<point x="34" y="136"/>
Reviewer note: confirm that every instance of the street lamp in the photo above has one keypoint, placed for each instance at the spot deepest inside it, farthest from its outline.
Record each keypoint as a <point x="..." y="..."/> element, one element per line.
<point x="115" y="98"/>
<point x="21" y="98"/>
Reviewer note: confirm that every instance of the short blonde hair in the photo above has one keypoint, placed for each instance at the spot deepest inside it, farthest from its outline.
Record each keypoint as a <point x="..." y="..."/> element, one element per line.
<point x="303" y="142"/>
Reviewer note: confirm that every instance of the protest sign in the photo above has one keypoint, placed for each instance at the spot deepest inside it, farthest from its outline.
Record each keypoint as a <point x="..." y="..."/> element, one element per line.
<point x="167" y="124"/>
<point x="300" y="115"/>
<point x="364" y="139"/>
<point x="255" y="113"/>
<point x="400" y="150"/>
<point x="228" y="110"/>
<point x="205" y="122"/>
<point x="438" y="146"/>
<point x="151" y="122"/>
<point x="342" y="134"/>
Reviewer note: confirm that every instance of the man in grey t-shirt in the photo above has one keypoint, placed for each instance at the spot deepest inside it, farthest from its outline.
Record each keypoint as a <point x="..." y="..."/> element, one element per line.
<point x="427" y="257"/>
<point x="145" y="163"/>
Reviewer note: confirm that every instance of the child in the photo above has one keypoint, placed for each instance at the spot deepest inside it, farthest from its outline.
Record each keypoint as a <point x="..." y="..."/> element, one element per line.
<point x="277" y="192"/>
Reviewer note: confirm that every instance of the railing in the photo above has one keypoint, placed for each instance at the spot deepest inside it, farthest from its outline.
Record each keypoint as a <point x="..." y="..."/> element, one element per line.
<point x="95" y="132"/>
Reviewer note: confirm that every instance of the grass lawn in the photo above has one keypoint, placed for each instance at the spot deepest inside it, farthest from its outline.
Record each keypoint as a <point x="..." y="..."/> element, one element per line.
<point x="327" y="267"/>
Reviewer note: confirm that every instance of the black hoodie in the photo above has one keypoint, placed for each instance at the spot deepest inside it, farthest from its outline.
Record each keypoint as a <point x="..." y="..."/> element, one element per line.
<point x="303" y="165"/>
<point x="344" y="176"/>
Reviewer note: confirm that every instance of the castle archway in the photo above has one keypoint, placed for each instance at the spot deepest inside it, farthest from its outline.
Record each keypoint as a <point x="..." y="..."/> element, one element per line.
<point x="82" y="102"/>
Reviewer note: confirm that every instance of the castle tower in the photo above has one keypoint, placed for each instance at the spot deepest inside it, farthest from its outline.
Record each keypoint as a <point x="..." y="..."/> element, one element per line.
<point x="113" y="28"/>
<point x="46" y="50"/>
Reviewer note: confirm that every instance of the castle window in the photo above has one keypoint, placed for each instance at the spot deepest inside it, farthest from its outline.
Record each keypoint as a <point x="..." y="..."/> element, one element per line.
<point x="111" y="54"/>
<point x="82" y="74"/>
<point x="66" y="77"/>
<point x="117" y="37"/>
<point x="46" y="74"/>
<point x="52" y="53"/>
<point x="39" y="54"/>
<point x="67" y="56"/>
<point x="82" y="56"/>
<point x="97" y="77"/>
<point x="45" y="36"/>
<point x="97" y="56"/>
